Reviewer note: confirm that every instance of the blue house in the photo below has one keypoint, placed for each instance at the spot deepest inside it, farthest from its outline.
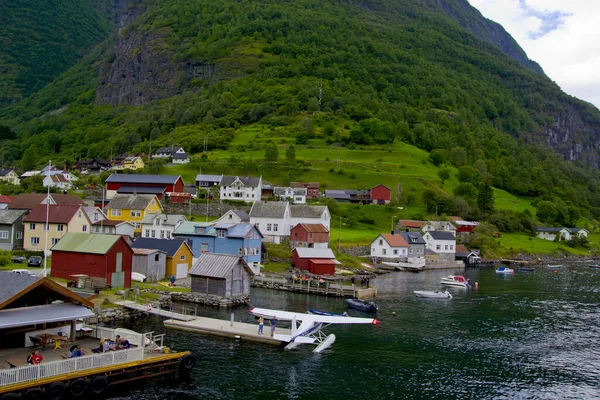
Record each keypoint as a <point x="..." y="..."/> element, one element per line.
<point x="243" y="240"/>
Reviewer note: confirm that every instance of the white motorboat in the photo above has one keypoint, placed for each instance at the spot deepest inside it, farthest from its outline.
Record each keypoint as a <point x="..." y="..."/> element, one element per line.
<point x="505" y="271"/>
<point x="433" y="294"/>
<point x="554" y="265"/>
<point x="457" y="281"/>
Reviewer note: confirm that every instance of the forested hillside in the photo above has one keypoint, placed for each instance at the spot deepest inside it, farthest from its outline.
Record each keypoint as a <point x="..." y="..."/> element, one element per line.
<point x="319" y="72"/>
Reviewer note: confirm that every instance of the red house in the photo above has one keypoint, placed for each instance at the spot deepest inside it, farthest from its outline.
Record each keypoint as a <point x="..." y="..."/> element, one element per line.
<point x="465" y="226"/>
<point x="380" y="194"/>
<point x="101" y="256"/>
<point x="312" y="188"/>
<point x="143" y="184"/>
<point x="309" y="235"/>
<point x="315" y="261"/>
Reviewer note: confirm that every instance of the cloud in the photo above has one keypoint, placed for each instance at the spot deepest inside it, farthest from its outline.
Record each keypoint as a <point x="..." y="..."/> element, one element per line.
<point x="562" y="36"/>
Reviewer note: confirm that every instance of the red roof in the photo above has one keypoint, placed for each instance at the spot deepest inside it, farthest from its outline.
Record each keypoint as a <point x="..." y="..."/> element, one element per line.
<point x="56" y="214"/>
<point x="314" y="228"/>
<point x="28" y="201"/>
<point x="395" y="240"/>
<point x="412" y="224"/>
<point x="5" y="199"/>
<point x="461" y="248"/>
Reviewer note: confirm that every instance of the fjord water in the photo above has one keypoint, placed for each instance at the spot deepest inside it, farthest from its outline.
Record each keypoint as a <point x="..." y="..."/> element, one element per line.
<point x="532" y="335"/>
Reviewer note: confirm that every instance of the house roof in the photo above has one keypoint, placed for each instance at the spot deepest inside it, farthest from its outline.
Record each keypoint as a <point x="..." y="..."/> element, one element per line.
<point x="216" y="265"/>
<point x="168" y="149"/>
<point x="466" y="223"/>
<point x="180" y="156"/>
<point x="28" y="201"/>
<point x="165" y="219"/>
<point x="86" y="243"/>
<point x="131" y="201"/>
<point x="58" y="178"/>
<point x="57" y="214"/>
<point x="454" y="218"/>
<point x="248" y="181"/>
<point x="304" y="211"/>
<point x="309" y="252"/>
<point x="189" y="227"/>
<point x="129" y="189"/>
<point x="270" y="209"/>
<point x="280" y="191"/>
<point x="209" y="178"/>
<point x="575" y="230"/>
<point x="311" y="185"/>
<point x="549" y="229"/>
<point x="5" y="171"/>
<point x="243" y="215"/>
<point x="143" y="178"/>
<point x="169" y="246"/>
<point x="441" y="235"/>
<point x="57" y="312"/>
<point x="312" y="228"/>
<point x="382" y="186"/>
<point x="337" y="194"/>
<point x="394" y="240"/>
<point x="145" y="252"/>
<point x="412" y="237"/>
<point x="411" y="223"/>
<point x="238" y="230"/>
<point x="5" y="199"/>
<point x="9" y="217"/>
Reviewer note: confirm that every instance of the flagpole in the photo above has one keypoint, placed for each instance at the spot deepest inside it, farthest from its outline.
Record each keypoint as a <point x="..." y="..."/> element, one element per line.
<point x="46" y="227"/>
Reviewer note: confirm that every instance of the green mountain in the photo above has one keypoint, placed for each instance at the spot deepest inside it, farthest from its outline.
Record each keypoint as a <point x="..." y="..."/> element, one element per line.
<point x="431" y="73"/>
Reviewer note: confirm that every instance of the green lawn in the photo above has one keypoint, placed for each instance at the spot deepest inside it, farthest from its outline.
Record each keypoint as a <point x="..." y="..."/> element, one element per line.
<point x="513" y="243"/>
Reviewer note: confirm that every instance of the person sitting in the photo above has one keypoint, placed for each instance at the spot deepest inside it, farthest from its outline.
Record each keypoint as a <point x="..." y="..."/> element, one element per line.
<point x="76" y="352"/>
<point x="125" y="344"/>
<point x="34" y="358"/>
<point x="103" y="347"/>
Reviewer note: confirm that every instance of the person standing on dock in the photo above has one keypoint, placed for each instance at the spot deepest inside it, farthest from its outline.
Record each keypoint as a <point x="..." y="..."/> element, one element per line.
<point x="273" y="322"/>
<point x="261" y="324"/>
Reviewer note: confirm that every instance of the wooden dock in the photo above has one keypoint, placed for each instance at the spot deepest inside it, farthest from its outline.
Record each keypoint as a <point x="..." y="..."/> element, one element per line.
<point x="155" y="310"/>
<point x="327" y="288"/>
<point x="224" y="328"/>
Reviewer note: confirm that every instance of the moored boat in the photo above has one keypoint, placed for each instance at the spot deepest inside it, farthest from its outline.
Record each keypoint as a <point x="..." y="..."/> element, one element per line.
<point x="319" y="312"/>
<point x="433" y="294"/>
<point x="362" y="305"/>
<point x="525" y="269"/>
<point x="594" y="266"/>
<point x="505" y="271"/>
<point x="554" y="265"/>
<point x="456" y="280"/>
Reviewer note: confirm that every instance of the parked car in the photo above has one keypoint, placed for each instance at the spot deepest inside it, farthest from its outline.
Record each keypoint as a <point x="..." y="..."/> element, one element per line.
<point x="18" y="259"/>
<point x="34" y="261"/>
<point x="23" y="271"/>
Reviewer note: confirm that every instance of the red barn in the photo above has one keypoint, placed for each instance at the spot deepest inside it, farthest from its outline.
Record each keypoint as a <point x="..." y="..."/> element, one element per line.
<point x="315" y="261"/>
<point x="309" y="235"/>
<point x="101" y="256"/>
<point x="465" y="226"/>
<point x="143" y="184"/>
<point x="380" y="194"/>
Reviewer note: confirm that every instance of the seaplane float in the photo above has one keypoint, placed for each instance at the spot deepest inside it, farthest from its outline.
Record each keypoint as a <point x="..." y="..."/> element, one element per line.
<point x="308" y="331"/>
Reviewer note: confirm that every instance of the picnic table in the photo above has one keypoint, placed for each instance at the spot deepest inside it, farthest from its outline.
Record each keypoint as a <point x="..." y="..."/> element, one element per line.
<point x="45" y="338"/>
<point x="16" y="362"/>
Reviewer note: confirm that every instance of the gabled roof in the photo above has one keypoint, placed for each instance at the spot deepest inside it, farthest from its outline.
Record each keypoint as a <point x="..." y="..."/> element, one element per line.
<point x="28" y="201"/>
<point x="411" y="223"/>
<point x="394" y="240"/>
<point x="215" y="265"/>
<point x="5" y="171"/>
<point x="304" y="211"/>
<point x="382" y="186"/>
<point x="280" y="191"/>
<point x="143" y="178"/>
<point x="209" y="178"/>
<point x="14" y="286"/>
<point x="312" y="228"/>
<point x="58" y="178"/>
<point x="189" y="228"/>
<point x="86" y="243"/>
<point x="110" y="222"/>
<point x="169" y="246"/>
<point x="310" y="185"/>
<point x="270" y="209"/>
<point x="549" y="229"/>
<point x="243" y="215"/>
<point x="145" y="252"/>
<point x="412" y="237"/>
<point x="441" y="235"/>
<point x="5" y="199"/>
<point x="576" y="230"/>
<point x="309" y="252"/>
<point x="132" y="201"/>
<point x="165" y="219"/>
<point x="9" y="217"/>
<point x="57" y="214"/>
<point x="238" y="230"/>
<point x="168" y="149"/>
<point x="248" y="181"/>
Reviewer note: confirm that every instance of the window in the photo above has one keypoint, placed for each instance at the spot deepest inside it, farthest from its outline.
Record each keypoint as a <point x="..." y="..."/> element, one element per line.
<point x="269" y="227"/>
<point x="384" y="251"/>
<point x="84" y="228"/>
<point x="19" y="235"/>
<point x="162" y="234"/>
<point x="135" y="213"/>
<point x="395" y="252"/>
<point x="79" y="214"/>
<point x="437" y="247"/>
<point x="3" y="234"/>
<point x="373" y="250"/>
<point x="115" y="212"/>
<point x="274" y="227"/>
<point x="54" y="241"/>
<point x="240" y="252"/>
<point x="34" y="240"/>
<point x="97" y="230"/>
<point x="182" y="257"/>
<point x="153" y="233"/>
<point x="381" y="242"/>
<point x="147" y="233"/>
<point x="410" y="251"/>
<point x="46" y="227"/>
<point x="106" y="229"/>
<point x="221" y="233"/>
<point x="446" y="247"/>
<point x="230" y="216"/>
<point x="451" y="247"/>
<point x="138" y="226"/>
<point x="203" y="247"/>
<point x="156" y="257"/>
<point x="60" y="228"/>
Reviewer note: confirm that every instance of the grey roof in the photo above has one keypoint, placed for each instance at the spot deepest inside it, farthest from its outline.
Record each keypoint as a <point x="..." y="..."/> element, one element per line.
<point x="169" y="246"/>
<point x="280" y="191"/>
<point x="209" y="178"/>
<point x="169" y="149"/>
<point x="248" y="181"/>
<point x="309" y="252"/>
<point x="9" y="217"/>
<point x="11" y="284"/>
<point x="243" y="215"/>
<point x="5" y="171"/>
<point x="165" y="219"/>
<point x="442" y="235"/>
<point x="337" y="194"/>
<point x="131" y="201"/>
<point x="575" y="230"/>
<point x="412" y="237"/>
<point x="56" y="312"/>
<point x="216" y="265"/>
<point x="180" y="156"/>
<point x="143" y="178"/>
<point x="270" y="209"/>
<point x="304" y="211"/>
<point x="129" y="189"/>
<point x="544" y="229"/>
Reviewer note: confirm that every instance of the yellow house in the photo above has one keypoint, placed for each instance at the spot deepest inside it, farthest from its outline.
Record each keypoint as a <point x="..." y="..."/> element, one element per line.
<point x="133" y="163"/>
<point x="61" y="219"/>
<point x="179" y="254"/>
<point x="133" y="208"/>
<point x="10" y="176"/>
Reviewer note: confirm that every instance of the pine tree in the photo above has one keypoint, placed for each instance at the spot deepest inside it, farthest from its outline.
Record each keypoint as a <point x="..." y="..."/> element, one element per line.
<point x="271" y="152"/>
<point x="485" y="198"/>
<point x="290" y="153"/>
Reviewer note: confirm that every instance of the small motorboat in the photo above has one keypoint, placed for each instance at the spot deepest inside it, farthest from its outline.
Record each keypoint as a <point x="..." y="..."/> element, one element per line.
<point x="554" y="265"/>
<point x="594" y="266"/>
<point x="362" y="305"/>
<point x="505" y="271"/>
<point x="525" y="269"/>
<point x="319" y="312"/>
<point x="432" y="294"/>
<point x="456" y="280"/>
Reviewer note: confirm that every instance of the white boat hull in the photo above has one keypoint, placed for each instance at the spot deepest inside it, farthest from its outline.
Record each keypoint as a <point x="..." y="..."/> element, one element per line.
<point x="427" y="294"/>
<point x="325" y="344"/>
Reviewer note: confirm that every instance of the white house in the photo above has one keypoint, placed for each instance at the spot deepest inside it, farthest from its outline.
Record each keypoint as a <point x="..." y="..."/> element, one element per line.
<point x="233" y="217"/>
<point x="243" y="188"/>
<point x="161" y="226"/>
<point x="581" y="232"/>
<point x="439" y="226"/>
<point x="94" y="214"/>
<point x="304" y="214"/>
<point x="180" y="158"/>
<point x="169" y="151"/>
<point x="296" y="195"/>
<point x="113" y="227"/>
<point x="272" y="219"/>
<point x="9" y="175"/>
<point x="549" y="233"/>
<point x="58" y="181"/>
<point x="442" y="243"/>
<point x="389" y="246"/>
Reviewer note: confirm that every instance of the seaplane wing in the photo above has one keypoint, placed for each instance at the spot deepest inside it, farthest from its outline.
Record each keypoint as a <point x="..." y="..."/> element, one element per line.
<point x="312" y="318"/>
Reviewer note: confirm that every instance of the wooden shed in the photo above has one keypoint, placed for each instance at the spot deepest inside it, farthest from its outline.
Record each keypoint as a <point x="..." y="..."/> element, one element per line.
<point x="221" y="275"/>
<point x="309" y="235"/>
<point x="315" y="261"/>
<point x="152" y="263"/>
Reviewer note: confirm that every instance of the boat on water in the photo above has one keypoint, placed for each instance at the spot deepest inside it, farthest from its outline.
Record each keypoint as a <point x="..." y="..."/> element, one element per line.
<point x="554" y="265"/>
<point x="319" y="312"/>
<point x="362" y="305"/>
<point x="432" y="294"/>
<point x="505" y="271"/>
<point x="594" y="266"/>
<point x="525" y="269"/>
<point x="457" y="281"/>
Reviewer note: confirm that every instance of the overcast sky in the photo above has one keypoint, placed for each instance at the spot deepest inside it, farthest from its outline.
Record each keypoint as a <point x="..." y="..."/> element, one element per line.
<point x="563" y="36"/>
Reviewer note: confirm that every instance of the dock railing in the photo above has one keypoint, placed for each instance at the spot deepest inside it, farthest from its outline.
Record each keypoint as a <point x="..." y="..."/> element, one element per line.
<point x="102" y="332"/>
<point x="29" y="373"/>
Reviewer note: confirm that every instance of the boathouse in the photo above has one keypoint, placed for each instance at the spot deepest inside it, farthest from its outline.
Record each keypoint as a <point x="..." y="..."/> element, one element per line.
<point x="221" y="275"/>
<point x="151" y="263"/>
<point x="315" y="261"/>
<point x="102" y="256"/>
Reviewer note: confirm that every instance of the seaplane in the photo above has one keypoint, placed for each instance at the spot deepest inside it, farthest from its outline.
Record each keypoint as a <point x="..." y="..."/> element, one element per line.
<point x="308" y="331"/>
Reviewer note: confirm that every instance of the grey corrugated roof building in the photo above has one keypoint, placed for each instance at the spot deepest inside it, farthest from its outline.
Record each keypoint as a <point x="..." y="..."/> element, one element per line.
<point x="11" y="284"/>
<point x="221" y="275"/>
<point x="131" y="201"/>
<point x="8" y="217"/>
<point x="271" y="209"/>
